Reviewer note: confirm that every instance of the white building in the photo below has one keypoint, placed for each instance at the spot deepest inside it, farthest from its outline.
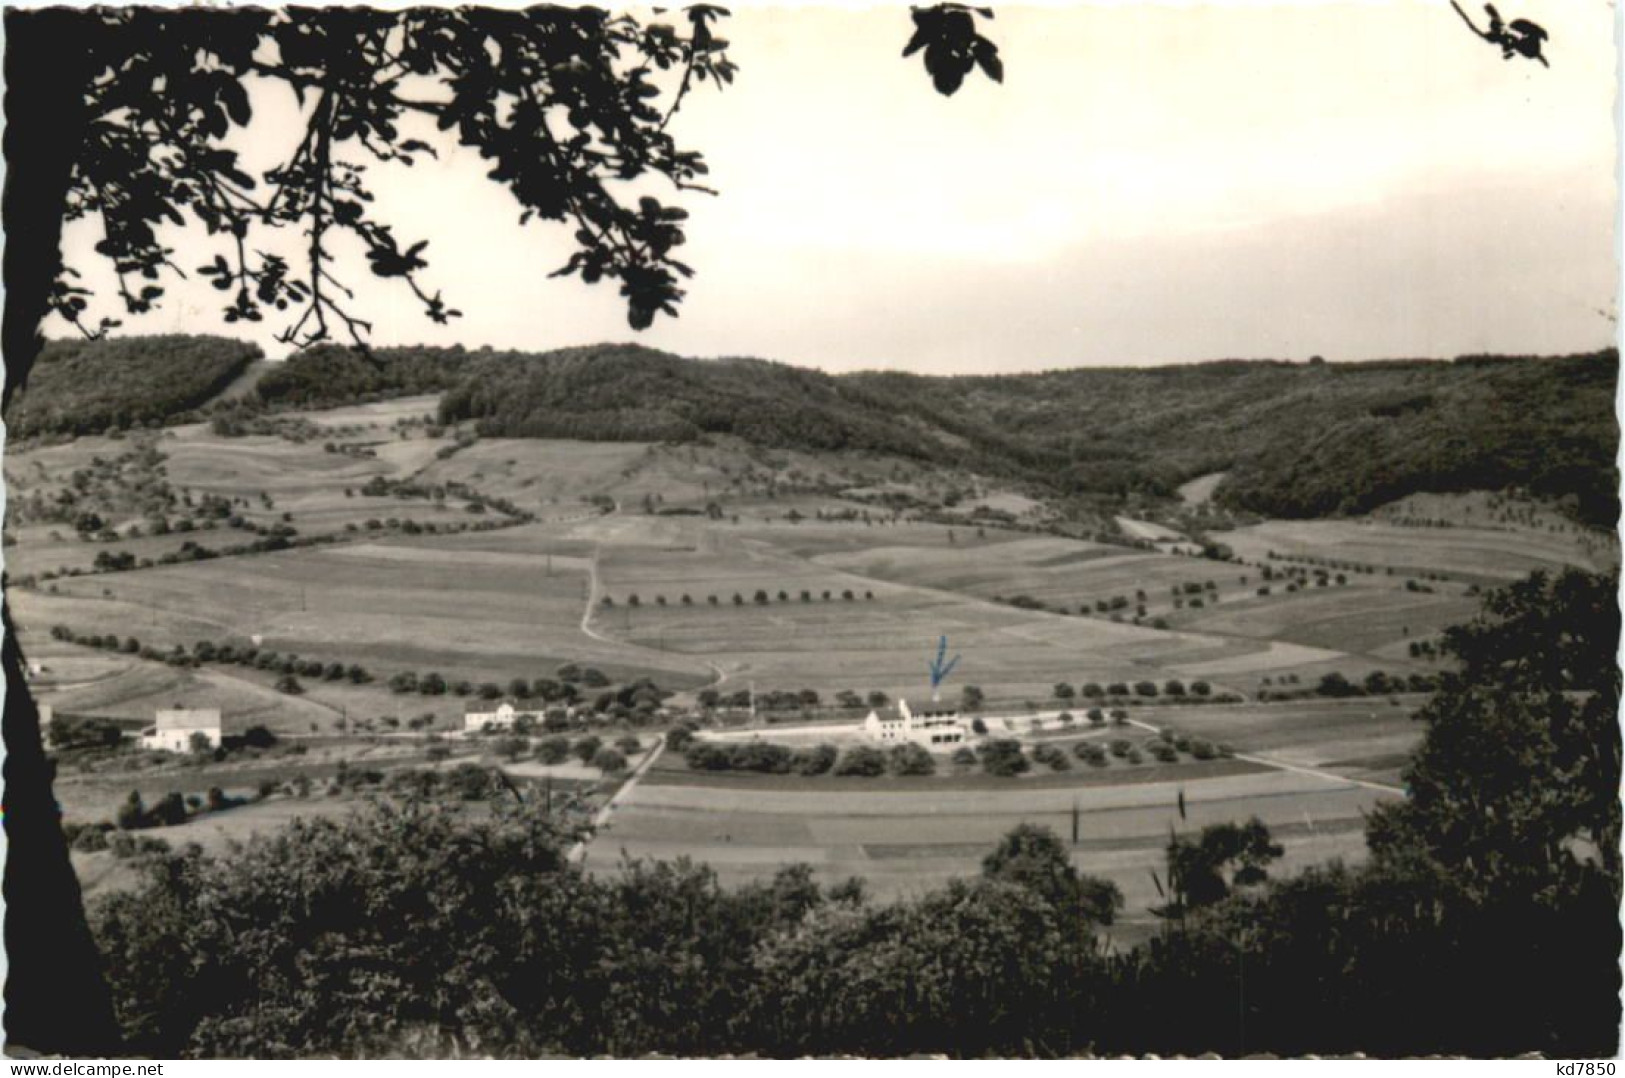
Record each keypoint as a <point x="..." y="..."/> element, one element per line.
<point x="173" y="729"/>
<point x="502" y="718"/>
<point x="934" y="728"/>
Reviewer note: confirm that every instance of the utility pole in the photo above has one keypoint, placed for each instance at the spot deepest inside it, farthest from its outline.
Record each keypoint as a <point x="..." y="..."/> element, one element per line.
<point x="1074" y="821"/>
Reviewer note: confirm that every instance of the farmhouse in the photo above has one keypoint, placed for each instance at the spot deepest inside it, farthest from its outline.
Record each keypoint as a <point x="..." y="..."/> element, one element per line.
<point x="935" y="727"/>
<point x="502" y="718"/>
<point x="173" y="729"/>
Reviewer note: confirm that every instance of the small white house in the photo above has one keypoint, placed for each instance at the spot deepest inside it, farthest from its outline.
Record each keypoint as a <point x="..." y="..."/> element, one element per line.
<point x="173" y="729"/>
<point x="932" y="728"/>
<point x="502" y="718"/>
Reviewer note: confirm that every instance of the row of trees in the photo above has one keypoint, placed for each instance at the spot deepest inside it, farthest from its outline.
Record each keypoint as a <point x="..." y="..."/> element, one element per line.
<point x="1095" y="691"/>
<point x="760" y="598"/>
<point x="226" y="652"/>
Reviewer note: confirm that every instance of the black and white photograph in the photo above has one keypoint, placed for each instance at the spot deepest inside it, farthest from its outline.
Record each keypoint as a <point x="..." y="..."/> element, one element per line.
<point x="812" y="531"/>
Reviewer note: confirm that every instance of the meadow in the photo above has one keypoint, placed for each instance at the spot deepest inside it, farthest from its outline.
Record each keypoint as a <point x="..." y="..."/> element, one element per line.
<point x="631" y="562"/>
<point x="905" y="836"/>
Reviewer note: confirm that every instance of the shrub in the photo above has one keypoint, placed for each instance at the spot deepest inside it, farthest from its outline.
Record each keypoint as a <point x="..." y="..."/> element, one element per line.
<point x="609" y="761"/>
<point x="964" y="757"/>
<point x="1002" y="757"/>
<point x="125" y="846"/>
<point x="553" y="750"/>
<point x="911" y="759"/>
<point x="1052" y="757"/>
<point x="586" y="748"/>
<point x="762" y="756"/>
<point x="629" y="745"/>
<point x="862" y="760"/>
<point x="704" y="756"/>
<point x="89" y="839"/>
<point x="814" y="761"/>
<point x="1091" y="753"/>
<point x="1119" y="748"/>
<point x="1163" y="751"/>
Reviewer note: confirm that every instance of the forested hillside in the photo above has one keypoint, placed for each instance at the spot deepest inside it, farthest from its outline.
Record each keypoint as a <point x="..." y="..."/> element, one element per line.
<point x="330" y="375"/>
<point x="1296" y="439"/>
<point x="83" y="387"/>
<point x="1307" y="439"/>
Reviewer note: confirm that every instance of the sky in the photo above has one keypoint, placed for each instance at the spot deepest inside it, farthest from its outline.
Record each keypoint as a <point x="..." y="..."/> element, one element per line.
<point x="1152" y="183"/>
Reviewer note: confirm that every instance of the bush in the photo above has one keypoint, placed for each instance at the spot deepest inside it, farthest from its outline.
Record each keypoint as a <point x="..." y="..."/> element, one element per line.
<point x="814" y="761"/>
<point x="911" y="759"/>
<point x="511" y="748"/>
<point x="609" y="761"/>
<point x="629" y="745"/>
<point x="1163" y="751"/>
<point x="862" y="760"/>
<point x="1119" y="748"/>
<point x="125" y="846"/>
<point x="964" y="757"/>
<point x="1090" y="753"/>
<point x="1203" y="750"/>
<point x="553" y="750"/>
<point x="704" y="756"/>
<point x="761" y="756"/>
<point x="91" y="838"/>
<point x="586" y="748"/>
<point x="1002" y="757"/>
<point x="1052" y="757"/>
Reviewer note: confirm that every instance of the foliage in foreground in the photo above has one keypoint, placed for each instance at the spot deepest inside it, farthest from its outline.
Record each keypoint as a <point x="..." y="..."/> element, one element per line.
<point x="1486" y="921"/>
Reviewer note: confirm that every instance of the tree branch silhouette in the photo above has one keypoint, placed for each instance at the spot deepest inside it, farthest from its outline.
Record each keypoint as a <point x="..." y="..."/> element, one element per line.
<point x="1520" y="37"/>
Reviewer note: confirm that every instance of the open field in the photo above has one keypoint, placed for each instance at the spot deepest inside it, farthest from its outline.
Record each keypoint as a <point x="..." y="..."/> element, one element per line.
<point x="1363" y="620"/>
<point x="1307" y="768"/>
<point x="1484" y="555"/>
<point x="905" y="841"/>
<point x="519" y="602"/>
